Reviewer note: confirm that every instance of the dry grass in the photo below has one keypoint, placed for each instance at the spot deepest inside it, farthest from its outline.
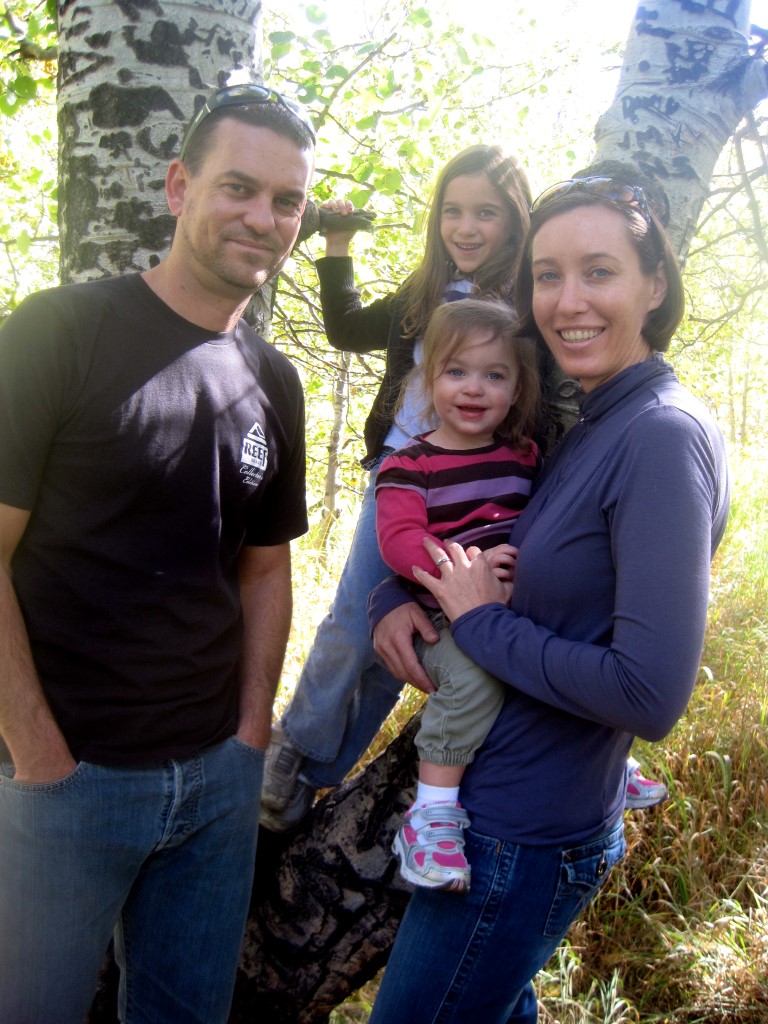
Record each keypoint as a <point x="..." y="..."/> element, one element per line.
<point x="680" y="936"/>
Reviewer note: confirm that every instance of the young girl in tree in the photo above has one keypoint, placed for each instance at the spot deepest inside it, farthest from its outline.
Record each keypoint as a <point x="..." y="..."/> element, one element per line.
<point x="465" y="481"/>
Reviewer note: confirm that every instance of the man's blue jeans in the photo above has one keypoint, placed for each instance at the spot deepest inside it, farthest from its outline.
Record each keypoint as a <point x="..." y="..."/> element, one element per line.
<point x="164" y="857"/>
<point x="344" y="694"/>
<point x="473" y="957"/>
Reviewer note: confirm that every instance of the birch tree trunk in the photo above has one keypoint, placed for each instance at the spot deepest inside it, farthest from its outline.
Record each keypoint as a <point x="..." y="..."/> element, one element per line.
<point x="686" y="82"/>
<point x="130" y="75"/>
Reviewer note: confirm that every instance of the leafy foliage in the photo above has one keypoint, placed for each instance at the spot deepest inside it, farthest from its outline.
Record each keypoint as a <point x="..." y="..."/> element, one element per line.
<point x="722" y="349"/>
<point x="398" y="94"/>
<point x="27" y="53"/>
<point x="393" y="99"/>
<point x="28" y="233"/>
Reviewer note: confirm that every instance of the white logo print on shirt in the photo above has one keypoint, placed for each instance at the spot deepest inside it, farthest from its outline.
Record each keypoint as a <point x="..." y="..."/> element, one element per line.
<point x="254" y="455"/>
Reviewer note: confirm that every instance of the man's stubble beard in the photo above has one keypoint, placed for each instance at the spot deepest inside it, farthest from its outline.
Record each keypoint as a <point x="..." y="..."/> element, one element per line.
<point x="234" y="273"/>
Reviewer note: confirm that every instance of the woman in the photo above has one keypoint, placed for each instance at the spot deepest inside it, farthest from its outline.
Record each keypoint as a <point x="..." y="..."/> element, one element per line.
<point x="602" y="637"/>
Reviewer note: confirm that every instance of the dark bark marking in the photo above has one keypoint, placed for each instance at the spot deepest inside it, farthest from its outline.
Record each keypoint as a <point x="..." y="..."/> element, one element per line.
<point x="139" y="219"/>
<point x="116" y="143"/>
<point x="648" y="137"/>
<point x="133" y="9"/>
<point x="165" y="47"/>
<point x="689" y="62"/>
<point x="165" y="150"/>
<point x="85" y="257"/>
<point x="114" y="107"/>
<point x="661" y="106"/>
<point x="726" y="9"/>
<point x="80" y="194"/>
<point x="644" y="18"/>
<point x="99" y="40"/>
<point x="68" y="64"/>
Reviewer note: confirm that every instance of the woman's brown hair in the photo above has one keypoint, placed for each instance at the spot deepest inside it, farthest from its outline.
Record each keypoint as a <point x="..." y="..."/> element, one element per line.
<point x="653" y="248"/>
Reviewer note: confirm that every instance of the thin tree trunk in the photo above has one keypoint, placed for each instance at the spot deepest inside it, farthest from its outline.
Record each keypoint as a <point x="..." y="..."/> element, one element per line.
<point x="340" y="409"/>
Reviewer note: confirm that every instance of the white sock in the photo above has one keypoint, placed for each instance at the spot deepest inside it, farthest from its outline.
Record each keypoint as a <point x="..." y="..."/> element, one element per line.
<point x="426" y="794"/>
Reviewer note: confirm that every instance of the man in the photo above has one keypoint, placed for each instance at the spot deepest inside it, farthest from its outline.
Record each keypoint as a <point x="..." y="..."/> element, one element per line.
<point x="151" y="480"/>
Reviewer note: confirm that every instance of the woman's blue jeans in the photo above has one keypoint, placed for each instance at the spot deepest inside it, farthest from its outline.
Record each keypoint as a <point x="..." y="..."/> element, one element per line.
<point x="462" y="959"/>
<point x="163" y="857"/>
<point x="344" y="693"/>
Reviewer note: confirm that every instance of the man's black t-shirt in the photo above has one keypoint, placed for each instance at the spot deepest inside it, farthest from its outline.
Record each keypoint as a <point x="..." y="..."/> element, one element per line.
<point x="149" y="451"/>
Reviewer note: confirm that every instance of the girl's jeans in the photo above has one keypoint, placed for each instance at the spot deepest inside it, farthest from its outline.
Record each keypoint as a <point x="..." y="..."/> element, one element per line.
<point x="344" y="694"/>
<point x="163" y="857"/>
<point x="460" y="959"/>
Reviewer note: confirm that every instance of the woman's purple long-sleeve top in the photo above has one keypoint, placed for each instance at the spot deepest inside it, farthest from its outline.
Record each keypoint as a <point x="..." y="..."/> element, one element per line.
<point x="603" y="637"/>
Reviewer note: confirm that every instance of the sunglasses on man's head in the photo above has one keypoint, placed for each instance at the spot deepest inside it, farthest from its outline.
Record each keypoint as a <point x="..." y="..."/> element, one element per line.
<point x="240" y="96"/>
<point x="604" y="188"/>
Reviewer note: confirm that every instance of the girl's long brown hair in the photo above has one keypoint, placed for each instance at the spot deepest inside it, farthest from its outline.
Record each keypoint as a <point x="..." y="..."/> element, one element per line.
<point x="425" y="288"/>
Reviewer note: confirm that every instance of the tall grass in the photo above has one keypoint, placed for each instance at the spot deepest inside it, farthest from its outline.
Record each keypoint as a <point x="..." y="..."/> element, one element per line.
<point x="680" y="934"/>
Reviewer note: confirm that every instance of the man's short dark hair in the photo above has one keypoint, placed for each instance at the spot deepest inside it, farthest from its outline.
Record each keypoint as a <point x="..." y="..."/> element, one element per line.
<point x="273" y="116"/>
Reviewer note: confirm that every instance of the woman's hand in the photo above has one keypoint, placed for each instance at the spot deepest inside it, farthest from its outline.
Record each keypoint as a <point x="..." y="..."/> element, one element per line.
<point x="393" y="642"/>
<point x="467" y="580"/>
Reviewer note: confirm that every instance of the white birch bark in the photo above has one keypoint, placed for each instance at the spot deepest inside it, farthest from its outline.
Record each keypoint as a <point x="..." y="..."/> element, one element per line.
<point x="686" y="82"/>
<point x="130" y="75"/>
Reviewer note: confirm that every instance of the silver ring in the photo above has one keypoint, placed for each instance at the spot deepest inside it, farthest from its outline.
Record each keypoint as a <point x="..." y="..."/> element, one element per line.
<point x="440" y="561"/>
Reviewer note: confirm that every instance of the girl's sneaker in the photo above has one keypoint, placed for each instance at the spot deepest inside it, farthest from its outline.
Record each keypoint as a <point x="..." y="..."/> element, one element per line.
<point x="642" y="792"/>
<point x="282" y="762"/>
<point x="430" y="847"/>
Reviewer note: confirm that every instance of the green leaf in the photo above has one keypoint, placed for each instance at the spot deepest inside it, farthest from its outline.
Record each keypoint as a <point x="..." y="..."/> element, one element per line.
<point x="388" y="182"/>
<point x="280" y="51"/>
<point x="367" y="122"/>
<point x="9" y="104"/>
<point x="315" y="14"/>
<point x="24" y="87"/>
<point x="281" y="37"/>
<point x="359" y="197"/>
<point x="420" y="16"/>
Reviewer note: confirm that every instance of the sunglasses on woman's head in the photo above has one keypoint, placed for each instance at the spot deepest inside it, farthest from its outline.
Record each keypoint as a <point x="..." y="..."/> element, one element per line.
<point x="242" y="96"/>
<point x="603" y="188"/>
